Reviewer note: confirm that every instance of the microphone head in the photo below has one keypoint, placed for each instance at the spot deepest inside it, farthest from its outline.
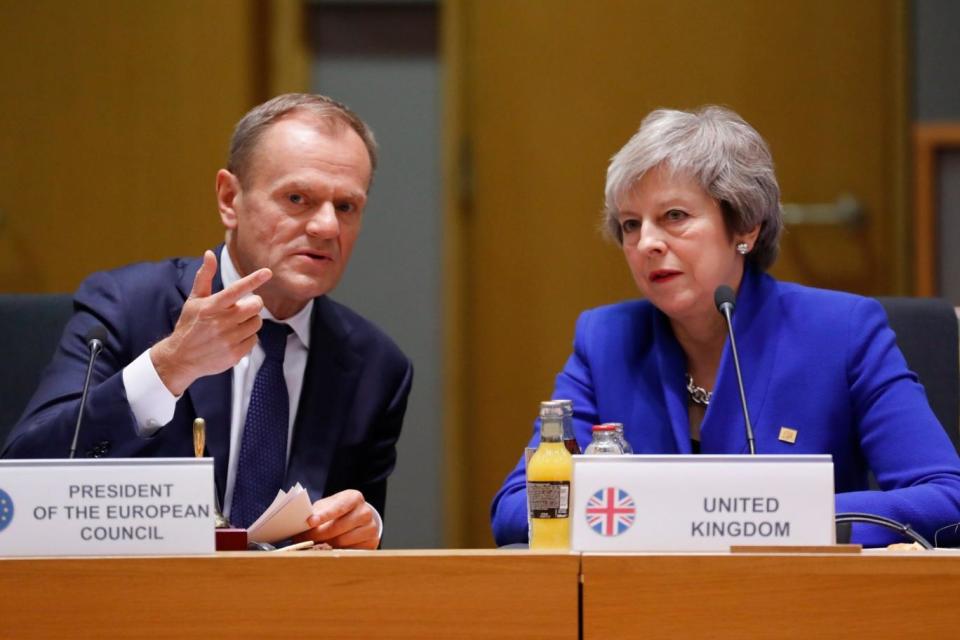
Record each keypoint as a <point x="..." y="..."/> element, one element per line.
<point x="724" y="296"/>
<point x="96" y="332"/>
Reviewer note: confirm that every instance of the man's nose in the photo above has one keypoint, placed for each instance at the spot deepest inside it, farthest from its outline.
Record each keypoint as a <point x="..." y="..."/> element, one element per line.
<point x="323" y="222"/>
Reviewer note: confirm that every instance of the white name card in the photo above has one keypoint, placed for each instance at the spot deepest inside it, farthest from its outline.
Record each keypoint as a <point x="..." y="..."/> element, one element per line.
<point x="701" y="502"/>
<point x="121" y="506"/>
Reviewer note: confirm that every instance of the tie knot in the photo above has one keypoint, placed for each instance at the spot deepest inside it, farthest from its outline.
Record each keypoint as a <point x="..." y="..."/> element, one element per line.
<point x="273" y="339"/>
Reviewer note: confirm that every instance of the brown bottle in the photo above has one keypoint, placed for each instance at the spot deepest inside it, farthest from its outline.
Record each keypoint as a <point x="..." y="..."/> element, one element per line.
<point x="569" y="439"/>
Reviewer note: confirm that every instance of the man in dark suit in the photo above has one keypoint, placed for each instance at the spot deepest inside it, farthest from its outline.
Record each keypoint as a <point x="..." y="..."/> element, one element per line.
<point x="293" y="386"/>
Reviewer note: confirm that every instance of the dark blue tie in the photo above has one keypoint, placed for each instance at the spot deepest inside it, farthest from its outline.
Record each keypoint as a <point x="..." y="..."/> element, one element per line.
<point x="263" y="449"/>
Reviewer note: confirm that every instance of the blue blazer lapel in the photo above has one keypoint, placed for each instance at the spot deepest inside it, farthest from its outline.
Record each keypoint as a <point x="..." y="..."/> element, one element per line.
<point x="671" y="362"/>
<point x="755" y="328"/>
<point x="210" y="396"/>
<point x="329" y="386"/>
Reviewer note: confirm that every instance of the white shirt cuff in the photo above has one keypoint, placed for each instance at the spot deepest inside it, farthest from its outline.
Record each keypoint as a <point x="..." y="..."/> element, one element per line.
<point x="150" y="400"/>
<point x="379" y="522"/>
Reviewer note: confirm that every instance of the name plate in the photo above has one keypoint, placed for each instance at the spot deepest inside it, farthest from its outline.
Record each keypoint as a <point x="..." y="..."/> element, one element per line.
<point x="120" y="506"/>
<point x="701" y="502"/>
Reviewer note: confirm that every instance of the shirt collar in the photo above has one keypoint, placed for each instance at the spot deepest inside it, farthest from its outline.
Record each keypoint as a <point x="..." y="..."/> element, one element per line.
<point x="299" y="322"/>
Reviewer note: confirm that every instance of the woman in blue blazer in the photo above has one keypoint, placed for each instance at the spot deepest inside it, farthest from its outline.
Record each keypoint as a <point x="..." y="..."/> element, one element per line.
<point x="693" y="201"/>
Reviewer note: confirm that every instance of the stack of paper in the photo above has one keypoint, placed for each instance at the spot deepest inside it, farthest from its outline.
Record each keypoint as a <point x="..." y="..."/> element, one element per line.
<point x="284" y="518"/>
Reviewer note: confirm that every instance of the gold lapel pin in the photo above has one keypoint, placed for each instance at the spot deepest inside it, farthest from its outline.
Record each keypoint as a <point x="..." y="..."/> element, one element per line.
<point x="788" y="435"/>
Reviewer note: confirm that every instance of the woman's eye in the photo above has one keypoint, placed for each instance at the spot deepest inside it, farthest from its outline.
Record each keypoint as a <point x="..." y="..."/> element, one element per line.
<point x="628" y="226"/>
<point x="296" y="198"/>
<point x="676" y="214"/>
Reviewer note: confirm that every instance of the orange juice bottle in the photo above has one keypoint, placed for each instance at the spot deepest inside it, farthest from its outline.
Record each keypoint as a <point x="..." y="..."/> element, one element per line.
<point x="549" y="474"/>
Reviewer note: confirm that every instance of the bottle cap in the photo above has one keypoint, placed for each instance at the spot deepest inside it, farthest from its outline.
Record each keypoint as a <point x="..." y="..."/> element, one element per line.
<point x="567" y="406"/>
<point x="551" y="409"/>
<point x="603" y="427"/>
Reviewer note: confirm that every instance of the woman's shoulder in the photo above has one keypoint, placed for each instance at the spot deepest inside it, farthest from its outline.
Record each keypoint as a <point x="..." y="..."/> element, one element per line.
<point x="818" y="309"/>
<point x="614" y="329"/>
<point x="818" y="300"/>
<point x="627" y="311"/>
<point x="622" y="323"/>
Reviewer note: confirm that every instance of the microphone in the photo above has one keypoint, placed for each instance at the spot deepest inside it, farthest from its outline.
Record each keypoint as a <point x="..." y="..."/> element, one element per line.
<point x="724" y="298"/>
<point x="94" y="338"/>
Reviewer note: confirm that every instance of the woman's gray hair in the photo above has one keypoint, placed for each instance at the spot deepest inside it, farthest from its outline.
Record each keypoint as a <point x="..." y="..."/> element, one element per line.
<point x="723" y="153"/>
<point x="247" y="133"/>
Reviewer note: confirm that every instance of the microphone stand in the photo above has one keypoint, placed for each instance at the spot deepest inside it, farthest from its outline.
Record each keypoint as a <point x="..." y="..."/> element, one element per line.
<point x="96" y="345"/>
<point x="723" y="298"/>
<point x="725" y="310"/>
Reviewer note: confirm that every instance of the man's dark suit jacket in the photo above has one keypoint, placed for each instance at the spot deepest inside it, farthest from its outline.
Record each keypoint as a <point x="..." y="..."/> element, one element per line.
<point x="348" y="420"/>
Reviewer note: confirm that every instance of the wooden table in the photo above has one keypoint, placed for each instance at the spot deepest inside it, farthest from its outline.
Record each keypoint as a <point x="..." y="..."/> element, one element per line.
<point x="483" y="594"/>
<point x="385" y="594"/>
<point x="873" y="595"/>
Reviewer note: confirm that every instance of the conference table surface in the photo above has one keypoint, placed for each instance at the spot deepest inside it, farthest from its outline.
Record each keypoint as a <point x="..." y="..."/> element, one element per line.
<point x="482" y="594"/>
<point x="876" y="594"/>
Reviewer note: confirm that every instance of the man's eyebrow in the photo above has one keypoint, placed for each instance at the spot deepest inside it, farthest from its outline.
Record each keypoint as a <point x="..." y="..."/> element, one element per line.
<point x="286" y="185"/>
<point x="355" y="195"/>
<point x="295" y="184"/>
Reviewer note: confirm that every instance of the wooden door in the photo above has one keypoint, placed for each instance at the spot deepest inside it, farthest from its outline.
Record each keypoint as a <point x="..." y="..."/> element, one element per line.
<point x="541" y="93"/>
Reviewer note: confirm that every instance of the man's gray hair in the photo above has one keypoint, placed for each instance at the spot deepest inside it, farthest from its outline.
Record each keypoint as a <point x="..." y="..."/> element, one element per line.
<point x="248" y="131"/>
<point x="723" y="153"/>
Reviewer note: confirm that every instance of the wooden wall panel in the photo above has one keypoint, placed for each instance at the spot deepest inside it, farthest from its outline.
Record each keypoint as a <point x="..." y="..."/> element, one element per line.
<point x="929" y="139"/>
<point x="549" y="91"/>
<point x="116" y="116"/>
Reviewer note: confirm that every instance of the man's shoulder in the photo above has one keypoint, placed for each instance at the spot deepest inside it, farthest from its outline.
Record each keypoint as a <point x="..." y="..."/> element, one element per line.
<point x="363" y="336"/>
<point x="146" y="277"/>
<point x="140" y="301"/>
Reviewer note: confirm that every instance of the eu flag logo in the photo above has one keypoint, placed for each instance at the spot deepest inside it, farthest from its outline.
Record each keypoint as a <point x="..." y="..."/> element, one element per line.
<point x="611" y="511"/>
<point x="6" y="509"/>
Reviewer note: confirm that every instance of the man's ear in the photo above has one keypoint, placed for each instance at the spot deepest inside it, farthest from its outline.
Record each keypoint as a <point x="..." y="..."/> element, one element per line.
<point x="228" y="192"/>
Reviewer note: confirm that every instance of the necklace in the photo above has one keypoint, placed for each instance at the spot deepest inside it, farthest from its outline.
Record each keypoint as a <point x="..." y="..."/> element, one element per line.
<point x="698" y="395"/>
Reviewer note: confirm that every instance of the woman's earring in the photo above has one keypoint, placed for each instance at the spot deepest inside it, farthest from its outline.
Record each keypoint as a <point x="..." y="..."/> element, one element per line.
<point x="743" y="248"/>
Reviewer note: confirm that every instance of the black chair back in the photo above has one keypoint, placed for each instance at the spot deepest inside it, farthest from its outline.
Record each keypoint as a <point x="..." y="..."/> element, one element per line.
<point x="927" y="333"/>
<point x="30" y="330"/>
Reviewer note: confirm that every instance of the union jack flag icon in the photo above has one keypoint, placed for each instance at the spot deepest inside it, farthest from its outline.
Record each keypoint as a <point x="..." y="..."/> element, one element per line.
<point x="611" y="511"/>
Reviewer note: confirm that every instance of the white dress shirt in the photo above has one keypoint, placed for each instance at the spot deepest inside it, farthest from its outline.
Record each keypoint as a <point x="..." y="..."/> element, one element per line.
<point x="153" y="405"/>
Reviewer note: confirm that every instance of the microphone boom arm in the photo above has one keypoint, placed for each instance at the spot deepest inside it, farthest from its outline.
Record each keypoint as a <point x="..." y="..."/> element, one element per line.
<point x="736" y="365"/>
<point x="94" y="341"/>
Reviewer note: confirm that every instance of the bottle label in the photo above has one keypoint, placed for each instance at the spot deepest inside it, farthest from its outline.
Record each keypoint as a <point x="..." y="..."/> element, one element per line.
<point x="548" y="499"/>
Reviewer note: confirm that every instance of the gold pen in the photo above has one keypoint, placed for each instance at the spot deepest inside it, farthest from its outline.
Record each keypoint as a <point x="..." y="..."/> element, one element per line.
<point x="199" y="445"/>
